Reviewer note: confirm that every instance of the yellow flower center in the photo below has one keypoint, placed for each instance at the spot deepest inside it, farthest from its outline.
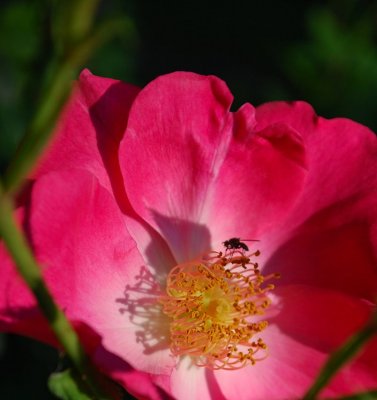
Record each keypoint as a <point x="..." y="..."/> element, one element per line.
<point x="213" y="304"/>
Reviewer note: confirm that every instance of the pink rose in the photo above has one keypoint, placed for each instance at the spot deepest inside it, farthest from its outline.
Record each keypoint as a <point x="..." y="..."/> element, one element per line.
<point x="139" y="181"/>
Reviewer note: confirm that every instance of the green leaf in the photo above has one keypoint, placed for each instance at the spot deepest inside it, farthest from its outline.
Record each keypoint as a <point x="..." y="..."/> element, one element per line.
<point x="65" y="386"/>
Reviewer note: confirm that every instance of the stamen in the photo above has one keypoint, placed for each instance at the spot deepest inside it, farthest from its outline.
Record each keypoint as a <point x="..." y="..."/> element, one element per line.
<point x="212" y="303"/>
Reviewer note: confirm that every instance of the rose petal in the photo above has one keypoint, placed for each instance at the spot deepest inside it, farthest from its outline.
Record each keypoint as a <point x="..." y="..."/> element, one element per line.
<point x="334" y="249"/>
<point x="80" y="238"/>
<point x="184" y="165"/>
<point x="137" y="383"/>
<point x="260" y="180"/>
<point x="90" y="128"/>
<point x="191" y="382"/>
<point x="167" y="159"/>
<point x="88" y="137"/>
<point x="335" y="217"/>
<point x="311" y="324"/>
<point x="341" y="155"/>
<point x="286" y="373"/>
<point x="318" y="317"/>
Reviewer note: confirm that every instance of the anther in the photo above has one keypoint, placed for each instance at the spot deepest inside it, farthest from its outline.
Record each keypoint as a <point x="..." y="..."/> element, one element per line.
<point x="211" y="304"/>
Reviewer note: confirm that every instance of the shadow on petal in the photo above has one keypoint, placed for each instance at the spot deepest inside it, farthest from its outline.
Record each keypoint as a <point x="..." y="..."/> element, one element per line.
<point x="332" y="249"/>
<point x="140" y="304"/>
<point x="108" y="141"/>
<point x="187" y="240"/>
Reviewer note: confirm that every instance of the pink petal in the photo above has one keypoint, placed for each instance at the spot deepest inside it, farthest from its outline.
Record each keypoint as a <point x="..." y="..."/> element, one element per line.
<point x="191" y="382"/>
<point x="88" y="138"/>
<point x="192" y="169"/>
<point x="137" y="383"/>
<point x="334" y="220"/>
<point x="285" y="374"/>
<point x="341" y="155"/>
<point x="298" y="114"/>
<point x="311" y="324"/>
<point x="80" y="238"/>
<point x="167" y="159"/>
<point x="334" y="249"/>
<point x="260" y="180"/>
<point x="319" y="317"/>
<point x="91" y="128"/>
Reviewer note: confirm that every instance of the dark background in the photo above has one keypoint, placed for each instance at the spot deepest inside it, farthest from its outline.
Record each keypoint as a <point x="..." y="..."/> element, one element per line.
<point x="323" y="52"/>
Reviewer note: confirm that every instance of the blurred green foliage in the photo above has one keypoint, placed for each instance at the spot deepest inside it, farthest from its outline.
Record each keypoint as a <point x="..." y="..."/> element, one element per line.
<point x="324" y="52"/>
<point x="26" y="48"/>
<point x="20" y="39"/>
<point x="337" y="65"/>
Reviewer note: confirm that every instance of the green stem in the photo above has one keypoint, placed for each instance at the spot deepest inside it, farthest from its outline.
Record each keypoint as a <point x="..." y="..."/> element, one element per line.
<point x="361" y="396"/>
<point x="339" y="357"/>
<point x="55" y="96"/>
<point x="74" y="42"/>
<point x="31" y="273"/>
<point x="78" y="47"/>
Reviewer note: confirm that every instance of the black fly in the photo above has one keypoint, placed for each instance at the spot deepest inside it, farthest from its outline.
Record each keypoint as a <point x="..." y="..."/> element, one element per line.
<point x="235" y="243"/>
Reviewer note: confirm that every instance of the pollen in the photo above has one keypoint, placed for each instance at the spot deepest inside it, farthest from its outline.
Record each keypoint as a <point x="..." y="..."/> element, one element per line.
<point x="216" y="306"/>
